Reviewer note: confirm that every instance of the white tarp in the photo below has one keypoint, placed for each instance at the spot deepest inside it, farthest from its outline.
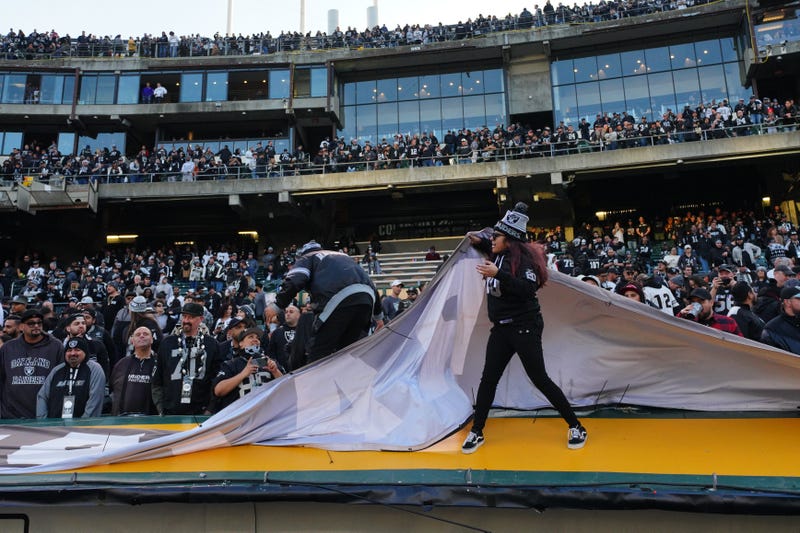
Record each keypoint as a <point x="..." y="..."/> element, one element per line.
<point x="413" y="382"/>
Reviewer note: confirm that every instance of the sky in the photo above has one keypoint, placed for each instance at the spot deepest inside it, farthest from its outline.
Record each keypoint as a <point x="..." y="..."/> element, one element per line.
<point x="207" y="17"/>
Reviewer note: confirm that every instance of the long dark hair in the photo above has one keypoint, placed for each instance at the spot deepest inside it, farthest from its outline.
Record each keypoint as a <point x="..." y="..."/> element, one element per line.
<point x="534" y="252"/>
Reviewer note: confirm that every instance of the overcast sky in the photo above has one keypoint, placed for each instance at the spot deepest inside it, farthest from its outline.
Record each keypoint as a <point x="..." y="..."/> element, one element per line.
<point x="249" y="16"/>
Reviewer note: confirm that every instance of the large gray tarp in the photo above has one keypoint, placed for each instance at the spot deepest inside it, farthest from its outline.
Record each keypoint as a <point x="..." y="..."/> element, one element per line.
<point x="413" y="382"/>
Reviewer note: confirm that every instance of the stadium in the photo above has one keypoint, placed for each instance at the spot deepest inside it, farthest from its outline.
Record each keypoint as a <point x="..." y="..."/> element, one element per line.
<point x="413" y="138"/>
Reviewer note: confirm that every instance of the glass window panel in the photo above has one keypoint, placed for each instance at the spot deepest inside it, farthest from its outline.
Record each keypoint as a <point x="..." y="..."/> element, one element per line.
<point x="279" y="83"/>
<point x="429" y="87"/>
<point x="214" y="146"/>
<point x="637" y="97"/>
<point x="88" y="89"/>
<point x="657" y="59"/>
<point x="69" y="89"/>
<point x="349" y="97"/>
<point x="565" y="107"/>
<point x="280" y="145"/>
<point x="662" y="93"/>
<point x="472" y="82"/>
<point x="2" y="84"/>
<point x="365" y="92"/>
<point x="387" y="120"/>
<point x="493" y="81"/>
<point x="242" y="146"/>
<point x="191" y="87"/>
<point x="712" y="83"/>
<point x="707" y="52"/>
<point x="474" y="112"/>
<point x="66" y="143"/>
<point x="128" y="90"/>
<point x="588" y="98"/>
<point x="612" y="98"/>
<point x="408" y="118"/>
<point x="608" y="66"/>
<point x="51" y="90"/>
<point x="562" y="73"/>
<point x="687" y="88"/>
<point x="319" y="82"/>
<point x="13" y="139"/>
<point x="366" y="123"/>
<point x="103" y="140"/>
<point x="408" y="88"/>
<point x="495" y="109"/>
<point x="729" y="52"/>
<point x="633" y="63"/>
<point x="106" y="85"/>
<point x="682" y="56"/>
<point x="387" y="90"/>
<point x="452" y="114"/>
<point x="216" y="86"/>
<point x="585" y="69"/>
<point x="14" y="89"/>
<point x="451" y="84"/>
<point x="430" y="116"/>
<point x="735" y="88"/>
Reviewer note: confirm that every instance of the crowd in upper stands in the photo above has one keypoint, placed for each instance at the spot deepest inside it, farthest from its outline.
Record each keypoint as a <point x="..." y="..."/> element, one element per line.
<point x="42" y="45"/>
<point x="714" y="120"/>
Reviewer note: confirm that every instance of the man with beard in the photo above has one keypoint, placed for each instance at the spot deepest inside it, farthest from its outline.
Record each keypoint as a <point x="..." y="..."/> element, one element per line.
<point x="248" y="370"/>
<point x="701" y="310"/>
<point x="131" y="379"/>
<point x="783" y="331"/>
<point x="25" y="362"/>
<point x="187" y="362"/>
<point x="73" y="389"/>
<point x="74" y="327"/>
<point x="280" y="341"/>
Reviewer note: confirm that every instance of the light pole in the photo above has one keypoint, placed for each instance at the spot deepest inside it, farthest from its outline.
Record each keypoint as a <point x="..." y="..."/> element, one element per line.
<point x="230" y="18"/>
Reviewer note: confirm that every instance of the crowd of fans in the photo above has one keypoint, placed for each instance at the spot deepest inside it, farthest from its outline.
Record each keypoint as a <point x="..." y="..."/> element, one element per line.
<point x="714" y="120"/>
<point x="43" y="45"/>
<point x="732" y="271"/>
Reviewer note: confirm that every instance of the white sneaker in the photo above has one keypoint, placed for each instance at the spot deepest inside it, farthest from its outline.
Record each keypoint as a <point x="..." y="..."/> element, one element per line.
<point x="472" y="443"/>
<point x="576" y="437"/>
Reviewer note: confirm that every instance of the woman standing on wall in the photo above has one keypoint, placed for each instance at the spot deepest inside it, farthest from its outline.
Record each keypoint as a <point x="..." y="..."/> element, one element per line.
<point x="517" y="269"/>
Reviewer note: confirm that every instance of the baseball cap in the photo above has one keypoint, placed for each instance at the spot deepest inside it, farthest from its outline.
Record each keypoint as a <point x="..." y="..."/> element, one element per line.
<point x="31" y="313"/>
<point x="727" y="268"/>
<point x="251" y="331"/>
<point x="700" y="293"/>
<point x="790" y="292"/>
<point x="397" y="283"/>
<point x="784" y="269"/>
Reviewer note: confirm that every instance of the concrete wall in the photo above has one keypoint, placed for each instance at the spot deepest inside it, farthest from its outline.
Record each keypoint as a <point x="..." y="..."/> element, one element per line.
<point x="529" y="85"/>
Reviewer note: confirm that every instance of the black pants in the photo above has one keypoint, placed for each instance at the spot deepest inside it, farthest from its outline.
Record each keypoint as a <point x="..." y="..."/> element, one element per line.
<point x="526" y="341"/>
<point x="343" y="327"/>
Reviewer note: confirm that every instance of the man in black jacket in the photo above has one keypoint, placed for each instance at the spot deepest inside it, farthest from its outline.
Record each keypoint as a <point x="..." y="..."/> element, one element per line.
<point x="749" y="323"/>
<point x="342" y="294"/>
<point x="783" y="331"/>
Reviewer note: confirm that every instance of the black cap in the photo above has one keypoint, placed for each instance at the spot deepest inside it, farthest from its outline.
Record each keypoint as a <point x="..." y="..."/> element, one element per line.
<point x="728" y="268"/>
<point x="233" y="322"/>
<point x="790" y="292"/>
<point x="79" y="343"/>
<point x="700" y="293"/>
<point x="192" y="309"/>
<point x="251" y="331"/>
<point x="73" y="317"/>
<point x="31" y="313"/>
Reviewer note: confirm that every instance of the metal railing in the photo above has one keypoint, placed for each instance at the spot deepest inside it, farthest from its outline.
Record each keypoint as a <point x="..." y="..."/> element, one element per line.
<point x="198" y="46"/>
<point x="629" y="140"/>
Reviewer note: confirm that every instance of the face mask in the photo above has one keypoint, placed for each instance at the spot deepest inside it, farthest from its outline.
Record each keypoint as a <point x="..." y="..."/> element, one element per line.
<point x="272" y="327"/>
<point x="252" y="351"/>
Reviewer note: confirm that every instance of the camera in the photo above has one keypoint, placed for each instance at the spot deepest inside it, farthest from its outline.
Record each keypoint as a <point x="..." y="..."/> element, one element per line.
<point x="261" y="362"/>
<point x="725" y="281"/>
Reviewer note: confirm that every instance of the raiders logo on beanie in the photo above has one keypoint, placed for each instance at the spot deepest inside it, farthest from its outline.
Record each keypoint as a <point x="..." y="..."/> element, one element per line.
<point x="515" y="223"/>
